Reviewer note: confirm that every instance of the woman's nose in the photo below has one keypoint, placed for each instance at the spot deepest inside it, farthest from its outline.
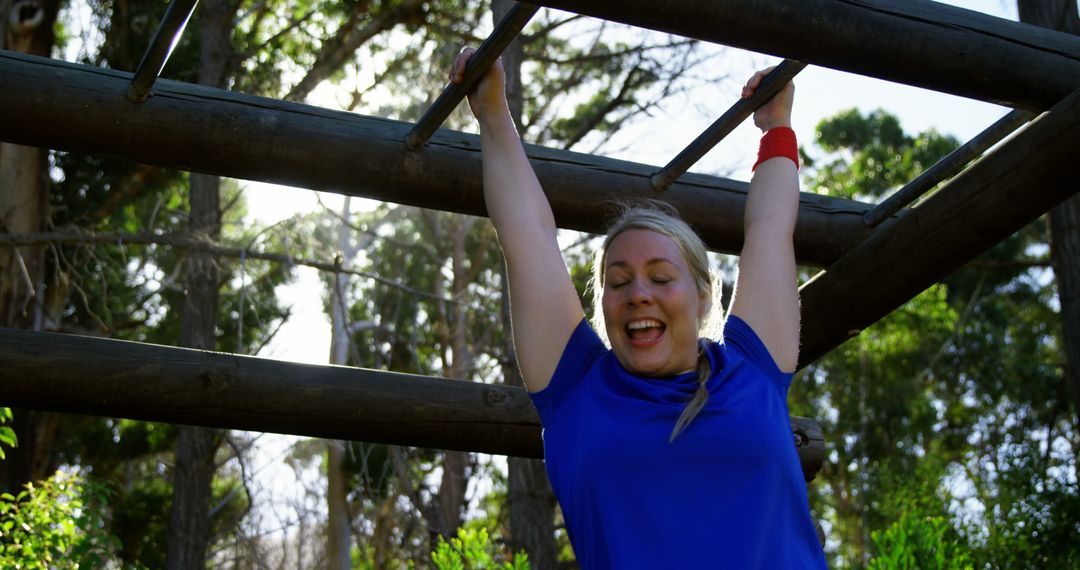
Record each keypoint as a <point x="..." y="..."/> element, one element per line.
<point x="640" y="292"/>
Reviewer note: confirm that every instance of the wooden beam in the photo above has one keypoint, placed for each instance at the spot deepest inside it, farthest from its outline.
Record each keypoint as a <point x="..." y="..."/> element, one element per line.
<point x="741" y="110"/>
<point x="997" y="196"/>
<point x="917" y="42"/>
<point x="86" y="375"/>
<point x="77" y="108"/>
<point x="165" y="38"/>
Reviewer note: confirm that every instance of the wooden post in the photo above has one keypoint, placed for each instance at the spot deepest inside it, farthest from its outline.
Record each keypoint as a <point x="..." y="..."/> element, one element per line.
<point x="140" y="381"/>
<point x="729" y="121"/>
<point x="917" y="42"/>
<point x="505" y="32"/>
<point x="948" y="166"/>
<point x="153" y="61"/>
<point x="83" y="109"/>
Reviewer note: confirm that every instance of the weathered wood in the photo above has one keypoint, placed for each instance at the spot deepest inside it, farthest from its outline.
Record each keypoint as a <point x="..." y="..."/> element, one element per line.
<point x="454" y="93"/>
<point x="916" y="42"/>
<point x="997" y="196"/>
<point x="1064" y="219"/>
<point x="161" y="46"/>
<point x="770" y="85"/>
<point x="79" y="108"/>
<point x="948" y="166"/>
<point x="115" y="378"/>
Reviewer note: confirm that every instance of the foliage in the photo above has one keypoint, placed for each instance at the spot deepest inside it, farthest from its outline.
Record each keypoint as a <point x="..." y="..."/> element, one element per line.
<point x="918" y="541"/>
<point x="923" y="533"/>
<point x="135" y="292"/>
<point x="58" y="523"/>
<point x="871" y="155"/>
<point x="473" y="550"/>
<point x="7" y="435"/>
<point x="956" y="396"/>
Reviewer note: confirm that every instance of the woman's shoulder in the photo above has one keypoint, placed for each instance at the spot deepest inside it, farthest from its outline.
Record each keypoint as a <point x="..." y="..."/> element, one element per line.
<point x="582" y="351"/>
<point x="740" y="338"/>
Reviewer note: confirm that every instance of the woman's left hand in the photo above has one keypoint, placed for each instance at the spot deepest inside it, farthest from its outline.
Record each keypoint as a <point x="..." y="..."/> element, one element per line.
<point x="777" y="111"/>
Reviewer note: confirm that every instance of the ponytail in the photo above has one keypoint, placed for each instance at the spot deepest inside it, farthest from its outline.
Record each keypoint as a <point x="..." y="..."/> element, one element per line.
<point x="701" y="395"/>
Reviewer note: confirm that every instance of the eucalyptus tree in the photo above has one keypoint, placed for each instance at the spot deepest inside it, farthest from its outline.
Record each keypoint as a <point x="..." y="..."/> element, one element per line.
<point x="140" y="292"/>
<point x="1064" y="221"/>
<point x="26" y="27"/>
<point x="952" y="408"/>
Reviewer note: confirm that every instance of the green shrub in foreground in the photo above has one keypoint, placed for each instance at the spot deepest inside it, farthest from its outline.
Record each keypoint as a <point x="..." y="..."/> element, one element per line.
<point x="49" y="525"/>
<point x="473" y="550"/>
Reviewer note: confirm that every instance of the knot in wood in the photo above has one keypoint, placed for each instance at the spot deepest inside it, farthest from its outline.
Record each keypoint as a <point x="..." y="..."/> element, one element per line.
<point x="216" y="380"/>
<point x="494" y="397"/>
<point x="801" y="439"/>
<point x="25" y="17"/>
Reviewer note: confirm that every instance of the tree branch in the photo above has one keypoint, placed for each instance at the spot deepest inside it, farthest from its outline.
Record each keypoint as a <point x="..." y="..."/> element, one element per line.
<point x="545" y="30"/>
<point x="73" y="235"/>
<point x="600" y="56"/>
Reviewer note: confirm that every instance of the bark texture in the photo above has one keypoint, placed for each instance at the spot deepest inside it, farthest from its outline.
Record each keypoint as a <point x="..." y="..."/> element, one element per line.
<point x="338" y="536"/>
<point x="26" y="26"/>
<point x="1064" y="220"/>
<point x="193" y="474"/>
<point x="455" y="476"/>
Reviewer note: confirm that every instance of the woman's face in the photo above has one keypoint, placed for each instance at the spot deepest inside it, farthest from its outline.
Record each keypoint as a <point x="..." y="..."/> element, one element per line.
<point x="652" y="306"/>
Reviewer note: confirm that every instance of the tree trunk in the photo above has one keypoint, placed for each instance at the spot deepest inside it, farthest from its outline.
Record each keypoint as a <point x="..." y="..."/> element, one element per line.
<point x="532" y="512"/>
<point x="338" y="535"/>
<point x="26" y="27"/>
<point x="1064" y="220"/>
<point x="337" y="501"/>
<point x="189" y="521"/>
<point x="23" y="192"/>
<point x="530" y="498"/>
<point x="382" y="537"/>
<point x="455" y="480"/>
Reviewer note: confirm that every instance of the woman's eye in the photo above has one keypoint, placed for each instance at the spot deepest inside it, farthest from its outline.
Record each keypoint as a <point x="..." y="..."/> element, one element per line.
<point x="616" y="284"/>
<point x="661" y="280"/>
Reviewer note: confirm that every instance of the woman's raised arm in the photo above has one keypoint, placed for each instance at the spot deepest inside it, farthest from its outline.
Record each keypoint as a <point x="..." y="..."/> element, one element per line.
<point x="766" y="291"/>
<point x="544" y="307"/>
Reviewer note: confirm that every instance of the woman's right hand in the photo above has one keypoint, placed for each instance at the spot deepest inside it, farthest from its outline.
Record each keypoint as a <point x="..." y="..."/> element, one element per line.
<point x="490" y="94"/>
<point x="777" y="111"/>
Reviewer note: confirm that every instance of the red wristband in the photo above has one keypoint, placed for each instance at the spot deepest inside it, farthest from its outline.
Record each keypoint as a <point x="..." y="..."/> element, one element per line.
<point x="778" y="141"/>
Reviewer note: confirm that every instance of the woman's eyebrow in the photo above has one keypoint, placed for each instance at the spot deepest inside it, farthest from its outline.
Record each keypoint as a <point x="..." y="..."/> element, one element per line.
<point x="653" y="261"/>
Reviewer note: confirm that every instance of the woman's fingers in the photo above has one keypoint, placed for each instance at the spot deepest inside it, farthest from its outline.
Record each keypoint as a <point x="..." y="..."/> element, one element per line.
<point x="755" y="80"/>
<point x="457" y="71"/>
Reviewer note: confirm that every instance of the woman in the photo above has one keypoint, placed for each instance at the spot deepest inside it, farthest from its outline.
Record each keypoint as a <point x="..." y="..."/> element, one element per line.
<point x="666" y="451"/>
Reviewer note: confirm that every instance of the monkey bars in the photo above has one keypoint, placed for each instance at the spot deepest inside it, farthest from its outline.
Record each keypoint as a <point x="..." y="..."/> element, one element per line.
<point x="876" y="258"/>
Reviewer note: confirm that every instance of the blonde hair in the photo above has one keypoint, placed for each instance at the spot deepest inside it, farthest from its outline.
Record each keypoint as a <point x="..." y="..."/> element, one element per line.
<point x="661" y="218"/>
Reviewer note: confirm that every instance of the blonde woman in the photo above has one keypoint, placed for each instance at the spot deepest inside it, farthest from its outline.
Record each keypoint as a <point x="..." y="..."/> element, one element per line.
<point x="666" y="450"/>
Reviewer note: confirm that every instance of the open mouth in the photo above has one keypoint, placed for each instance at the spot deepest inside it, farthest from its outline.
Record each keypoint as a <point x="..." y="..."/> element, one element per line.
<point x="644" y="332"/>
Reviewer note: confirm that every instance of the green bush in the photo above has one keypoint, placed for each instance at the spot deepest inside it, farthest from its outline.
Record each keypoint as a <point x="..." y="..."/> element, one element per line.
<point x="473" y="550"/>
<point x="50" y="525"/>
<point x="7" y="435"/>
<point x="917" y="541"/>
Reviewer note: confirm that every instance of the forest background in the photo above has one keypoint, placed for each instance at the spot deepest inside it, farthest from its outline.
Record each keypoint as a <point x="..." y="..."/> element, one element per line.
<point x="952" y="440"/>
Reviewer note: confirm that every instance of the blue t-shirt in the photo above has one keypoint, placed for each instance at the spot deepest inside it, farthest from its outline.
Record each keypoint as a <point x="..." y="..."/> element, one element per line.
<point x="727" y="493"/>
